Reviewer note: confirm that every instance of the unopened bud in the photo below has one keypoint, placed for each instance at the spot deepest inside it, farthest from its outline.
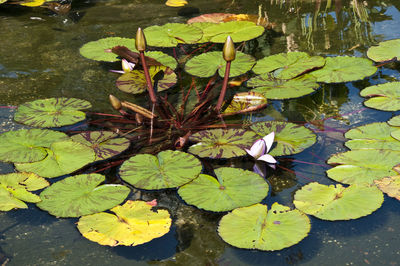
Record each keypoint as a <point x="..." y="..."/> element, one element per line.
<point x="140" y="41"/>
<point x="115" y="103"/>
<point x="229" y="51"/>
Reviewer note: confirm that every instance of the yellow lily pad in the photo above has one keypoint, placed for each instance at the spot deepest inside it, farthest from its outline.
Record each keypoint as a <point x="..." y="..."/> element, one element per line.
<point x="390" y="185"/>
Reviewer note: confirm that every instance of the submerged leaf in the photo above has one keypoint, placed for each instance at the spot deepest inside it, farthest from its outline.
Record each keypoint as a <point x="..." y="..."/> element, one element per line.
<point x="63" y="157"/>
<point x="15" y="187"/>
<point x="362" y="166"/>
<point x="344" y="69"/>
<point x="231" y="189"/>
<point x="222" y="143"/>
<point x="385" y="51"/>
<point x="255" y="227"/>
<point x="290" y="138"/>
<point x="135" y="81"/>
<point x="338" y="202"/>
<point x="134" y="223"/>
<point x="383" y="96"/>
<point x="105" y="144"/>
<point x="52" y="112"/>
<point x="27" y="145"/>
<point x="168" y="169"/>
<point x="205" y="65"/>
<point x="81" y="195"/>
<point x="278" y="89"/>
<point x="243" y="102"/>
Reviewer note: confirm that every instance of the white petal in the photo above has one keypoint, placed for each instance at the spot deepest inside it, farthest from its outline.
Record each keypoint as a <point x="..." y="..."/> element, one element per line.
<point x="257" y="149"/>
<point x="267" y="158"/>
<point x="269" y="140"/>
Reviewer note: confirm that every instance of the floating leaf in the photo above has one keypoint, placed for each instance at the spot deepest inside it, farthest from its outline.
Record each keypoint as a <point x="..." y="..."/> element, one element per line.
<point x="135" y="82"/>
<point x="104" y="143"/>
<point x="338" y="202"/>
<point x="32" y="3"/>
<point x="344" y="69"/>
<point x="390" y="185"/>
<point x="81" y="195"/>
<point x="162" y="58"/>
<point x="290" y="138"/>
<point x="243" y="102"/>
<point x="15" y="187"/>
<point x="222" y="143"/>
<point x="279" y="89"/>
<point x="394" y="121"/>
<point x="372" y="136"/>
<point x="100" y="50"/>
<point x="385" y="51"/>
<point x="255" y="227"/>
<point x="27" y="145"/>
<point x="176" y="3"/>
<point x="239" y="31"/>
<point x="362" y="166"/>
<point x="63" y="157"/>
<point x="170" y="34"/>
<point x="212" y="17"/>
<point x="168" y="169"/>
<point x="134" y="223"/>
<point x="226" y="17"/>
<point x="52" y="112"/>
<point x="231" y="189"/>
<point x="291" y="64"/>
<point x="383" y="96"/>
<point x="205" y="65"/>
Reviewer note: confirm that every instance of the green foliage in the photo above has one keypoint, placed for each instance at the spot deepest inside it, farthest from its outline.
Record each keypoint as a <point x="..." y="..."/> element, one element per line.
<point x="170" y="34"/>
<point x="231" y="189"/>
<point x="338" y="202"/>
<point x="168" y="169"/>
<point x="256" y="227"/>
<point x="385" y="51"/>
<point x="100" y="50"/>
<point x="383" y="96"/>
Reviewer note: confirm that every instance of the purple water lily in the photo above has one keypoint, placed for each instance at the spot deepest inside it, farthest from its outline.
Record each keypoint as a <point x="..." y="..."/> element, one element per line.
<point x="126" y="67"/>
<point x="261" y="147"/>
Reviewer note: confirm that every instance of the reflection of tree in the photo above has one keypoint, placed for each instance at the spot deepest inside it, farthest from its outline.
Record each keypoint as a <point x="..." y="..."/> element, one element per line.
<point x="330" y="26"/>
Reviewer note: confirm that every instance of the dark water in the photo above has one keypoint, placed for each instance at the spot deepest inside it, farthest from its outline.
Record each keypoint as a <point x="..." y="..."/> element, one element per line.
<point x="39" y="58"/>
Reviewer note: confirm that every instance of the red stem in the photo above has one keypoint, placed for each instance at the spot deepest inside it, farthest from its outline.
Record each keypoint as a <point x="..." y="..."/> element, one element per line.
<point x="153" y="97"/>
<point x="224" y="86"/>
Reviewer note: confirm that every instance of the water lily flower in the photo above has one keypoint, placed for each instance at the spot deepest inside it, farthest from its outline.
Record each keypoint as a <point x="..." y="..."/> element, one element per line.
<point x="126" y="67"/>
<point x="261" y="147"/>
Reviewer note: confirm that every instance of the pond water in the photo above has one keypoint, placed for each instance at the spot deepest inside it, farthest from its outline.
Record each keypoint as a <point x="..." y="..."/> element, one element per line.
<point x="39" y="58"/>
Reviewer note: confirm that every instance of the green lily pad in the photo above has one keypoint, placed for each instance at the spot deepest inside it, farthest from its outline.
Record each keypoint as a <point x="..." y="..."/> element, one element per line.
<point x="243" y="102"/>
<point x="52" y="112"/>
<point x="279" y="89"/>
<point x="222" y="143"/>
<point x="162" y="58"/>
<point x="290" y="138"/>
<point x="239" y="31"/>
<point x="81" y="195"/>
<point x="205" y="65"/>
<point x="100" y="50"/>
<point x="134" y="223"/>
<point x="372" y="136"/>
<point x="383" y="96"/>
<point x="344" y="69"/>
<point x="27" y="145"/>
<point x="105" y="144"/>
<point x="15" y="187"/>
<point x="168" y="169"/>
<point x="231" y="189"/>
<point x="170" y="34"/>
<point x="291" y="64"/>
<point x="390" y="185"/>
<point x="394" y="121"/>
<point x="63" y="157"/>
<point x="337" y="202"/>
<point x="255" y="227"/>
<point x="135" y="82"/>
<point x="385" y="51"/>
<point x="362" y="166"/>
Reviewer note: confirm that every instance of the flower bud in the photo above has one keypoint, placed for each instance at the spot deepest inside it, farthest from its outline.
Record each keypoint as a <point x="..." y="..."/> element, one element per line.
<point x="140" y="41"/>
<point x="229" y="51"/>
<point x="116" y="104"/>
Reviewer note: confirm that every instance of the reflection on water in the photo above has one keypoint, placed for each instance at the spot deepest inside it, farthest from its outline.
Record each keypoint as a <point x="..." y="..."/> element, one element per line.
<point x="39" y="58"/>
